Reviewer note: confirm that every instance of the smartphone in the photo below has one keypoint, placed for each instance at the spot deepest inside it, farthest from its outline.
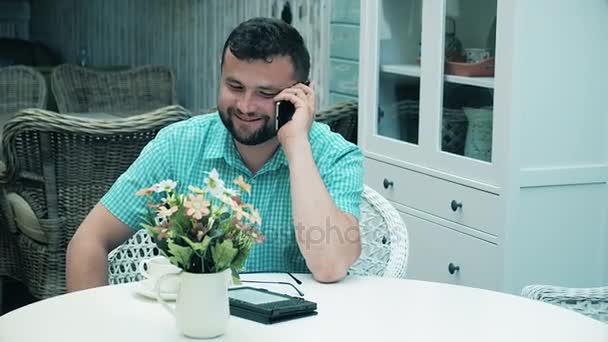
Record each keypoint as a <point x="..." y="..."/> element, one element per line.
<point x="284" y="111"/>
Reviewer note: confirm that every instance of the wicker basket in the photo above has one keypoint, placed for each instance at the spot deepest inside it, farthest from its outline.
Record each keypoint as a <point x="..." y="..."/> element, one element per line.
<point x="454" y="126"/>
<point x="478" y="143"/>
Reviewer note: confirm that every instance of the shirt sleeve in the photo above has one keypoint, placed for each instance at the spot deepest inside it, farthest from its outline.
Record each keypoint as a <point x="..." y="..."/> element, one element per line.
<point x="344" y="181"/>
<point x="150" y="167"/>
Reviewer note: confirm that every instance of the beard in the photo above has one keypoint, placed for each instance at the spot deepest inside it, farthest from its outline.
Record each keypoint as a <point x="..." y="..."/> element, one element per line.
<point x="244" y="136"/>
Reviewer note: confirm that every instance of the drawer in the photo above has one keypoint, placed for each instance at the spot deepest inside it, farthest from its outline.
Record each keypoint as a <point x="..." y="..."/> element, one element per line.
<point x="444" y="255"/>
<point x="454" y="202"/>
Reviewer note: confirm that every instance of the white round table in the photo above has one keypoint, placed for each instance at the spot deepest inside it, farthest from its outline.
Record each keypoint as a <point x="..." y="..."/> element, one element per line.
<point x="356" y="309"/>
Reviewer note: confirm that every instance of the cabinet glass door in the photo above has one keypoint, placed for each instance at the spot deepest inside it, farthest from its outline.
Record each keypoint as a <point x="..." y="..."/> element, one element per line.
<point x="468" y="83"/>
<point x="399" y="35"/>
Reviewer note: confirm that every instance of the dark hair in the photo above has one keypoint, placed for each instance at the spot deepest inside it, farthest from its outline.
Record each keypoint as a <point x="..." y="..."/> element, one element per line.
<point x="263" y="38"/>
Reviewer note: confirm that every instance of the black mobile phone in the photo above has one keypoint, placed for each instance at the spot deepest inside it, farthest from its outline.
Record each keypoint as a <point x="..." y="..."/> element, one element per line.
<point x="284" y="111"/>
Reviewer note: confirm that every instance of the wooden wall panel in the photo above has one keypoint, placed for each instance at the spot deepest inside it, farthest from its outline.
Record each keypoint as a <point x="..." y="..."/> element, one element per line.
<point x="15" y="19"/>
<point x="187" y="35"/>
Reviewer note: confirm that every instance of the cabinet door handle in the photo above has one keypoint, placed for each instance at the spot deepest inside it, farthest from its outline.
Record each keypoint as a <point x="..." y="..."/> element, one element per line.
<point x="387" y="184"/>
<point x="455" y="205"/>
<point x="453" y="268"/>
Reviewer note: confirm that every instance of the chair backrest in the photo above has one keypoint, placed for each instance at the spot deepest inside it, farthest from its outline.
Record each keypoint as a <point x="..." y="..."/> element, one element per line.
<point x="61" y="165"/>
<point x="590" y="301"/>
<point x="384" y="238"/>
<point x="341" y="118"/>
<point x="384" y="244"/>
<point x="21" y="87"/>
<point x="123" y="261"/>
<point x="82" y="90"/>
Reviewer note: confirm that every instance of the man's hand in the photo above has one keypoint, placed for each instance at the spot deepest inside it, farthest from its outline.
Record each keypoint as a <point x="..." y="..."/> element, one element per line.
<point x="303" y="98"/>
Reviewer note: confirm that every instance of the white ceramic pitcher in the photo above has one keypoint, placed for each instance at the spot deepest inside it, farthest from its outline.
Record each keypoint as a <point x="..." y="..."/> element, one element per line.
<point x="202" y="309"/>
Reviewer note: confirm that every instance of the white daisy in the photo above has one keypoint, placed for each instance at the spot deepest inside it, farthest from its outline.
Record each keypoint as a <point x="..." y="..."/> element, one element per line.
<point x="214" y="184"/>
<point x="165" y="186"/>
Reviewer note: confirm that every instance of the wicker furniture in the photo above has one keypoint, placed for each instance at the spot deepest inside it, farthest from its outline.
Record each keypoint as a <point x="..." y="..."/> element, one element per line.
<point x="384" y="245"/>
<point x="384" y="238"/>
<point x="78" y="89"/>
<point x="592" y="302"/>
<point x="123" y="261"/>
<point x="57" y="168"/>
<point x="21" y="87"/>
<point x="341" y="118"/>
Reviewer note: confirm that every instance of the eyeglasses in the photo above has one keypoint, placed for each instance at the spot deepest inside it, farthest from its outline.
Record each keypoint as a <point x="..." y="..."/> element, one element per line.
<point x="276" y="282"/>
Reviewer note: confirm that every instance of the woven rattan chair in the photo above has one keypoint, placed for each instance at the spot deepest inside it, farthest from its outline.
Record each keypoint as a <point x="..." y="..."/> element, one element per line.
<point x="81" y="90"/>
<point x="21" y="87"/>
<point x="341" y="118"/>
<point x="384" y="243"/>
<point x="57" y="168"/>
<point x="384" y="238"/>
<point x="592" y="302"/>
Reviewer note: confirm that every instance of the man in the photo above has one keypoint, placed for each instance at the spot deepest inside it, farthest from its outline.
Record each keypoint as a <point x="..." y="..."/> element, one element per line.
<point x="306" y="180"/>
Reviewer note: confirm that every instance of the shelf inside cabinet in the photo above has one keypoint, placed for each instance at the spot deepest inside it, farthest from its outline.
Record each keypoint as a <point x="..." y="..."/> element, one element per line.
<point x="413" y="70"/>
<point x="483" y="82"/>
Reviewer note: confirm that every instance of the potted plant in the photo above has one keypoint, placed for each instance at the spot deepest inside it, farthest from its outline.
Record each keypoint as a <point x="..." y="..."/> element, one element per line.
<point x="207" y="232"/>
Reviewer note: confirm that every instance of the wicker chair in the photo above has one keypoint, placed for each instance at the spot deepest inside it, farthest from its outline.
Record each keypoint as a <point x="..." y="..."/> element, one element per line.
<point x="384" y="238"/>
<point x="82" y="90"/>
<point x="384" y="243"/>
<point x="592" y="302"/>
<point x="341" y="118"/>
<point x="21" y="87"/>
<point x="57" y="168"/>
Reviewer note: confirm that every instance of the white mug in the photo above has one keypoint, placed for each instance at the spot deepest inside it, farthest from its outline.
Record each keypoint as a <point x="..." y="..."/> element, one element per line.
<point x="154" y="268"/>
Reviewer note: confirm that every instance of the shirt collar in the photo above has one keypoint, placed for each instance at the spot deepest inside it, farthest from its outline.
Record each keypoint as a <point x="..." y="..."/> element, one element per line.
<point x="222" y="146"/>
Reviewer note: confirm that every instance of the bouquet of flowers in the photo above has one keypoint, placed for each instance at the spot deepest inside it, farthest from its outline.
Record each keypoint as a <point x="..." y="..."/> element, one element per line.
<point x="205" y="230"/>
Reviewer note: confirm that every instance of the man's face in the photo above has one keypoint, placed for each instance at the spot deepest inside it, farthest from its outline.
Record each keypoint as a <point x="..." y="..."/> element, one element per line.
<point x="247" y="89"/>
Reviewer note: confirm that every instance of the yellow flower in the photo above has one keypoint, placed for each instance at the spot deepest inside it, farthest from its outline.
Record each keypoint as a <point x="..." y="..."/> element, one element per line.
<point x="163" y="212"/>
<point x="255" y="217"/>
<point x="144" y="191"/>
<point x="196" y="190"/>
<point x="196" y="206"/>
<point x="240" y="213"/>
<point x="242" y="184"/>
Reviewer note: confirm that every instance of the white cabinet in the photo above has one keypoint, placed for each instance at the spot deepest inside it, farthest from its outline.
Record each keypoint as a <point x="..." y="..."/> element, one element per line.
<point x="445" y="255"/>
<point x="484" y="123"/>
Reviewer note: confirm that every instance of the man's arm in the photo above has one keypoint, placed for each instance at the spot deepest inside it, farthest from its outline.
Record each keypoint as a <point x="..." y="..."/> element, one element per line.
<point x="328" y="237"/>
<point x="87" y="254"/>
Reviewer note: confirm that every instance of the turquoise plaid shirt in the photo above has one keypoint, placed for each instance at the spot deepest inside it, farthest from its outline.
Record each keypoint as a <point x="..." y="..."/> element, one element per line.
<point x="186" y="150"/>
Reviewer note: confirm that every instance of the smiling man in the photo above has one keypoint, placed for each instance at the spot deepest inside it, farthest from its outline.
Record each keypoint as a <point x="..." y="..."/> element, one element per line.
<point x="306" y="181"/>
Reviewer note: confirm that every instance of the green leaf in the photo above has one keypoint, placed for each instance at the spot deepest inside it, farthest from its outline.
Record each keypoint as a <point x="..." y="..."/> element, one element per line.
<point x="236" y="279"/>
<point x="150" y="229"/>
<point x="239" y="260"/>
<point x="216" y="232"/>
<point x="222" y="255"/>
<point x="199" y="247"/>
<point x="181" y="254"/>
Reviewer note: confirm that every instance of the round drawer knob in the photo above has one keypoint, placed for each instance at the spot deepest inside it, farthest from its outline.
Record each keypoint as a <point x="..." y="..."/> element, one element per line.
<point x="387" y="184"/>
<point x="453" y="268"/>
<point x="455" y="205"/>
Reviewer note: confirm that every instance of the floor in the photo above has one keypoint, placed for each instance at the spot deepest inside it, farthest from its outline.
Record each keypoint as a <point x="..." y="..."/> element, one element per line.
<point x="14" y="296"/>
